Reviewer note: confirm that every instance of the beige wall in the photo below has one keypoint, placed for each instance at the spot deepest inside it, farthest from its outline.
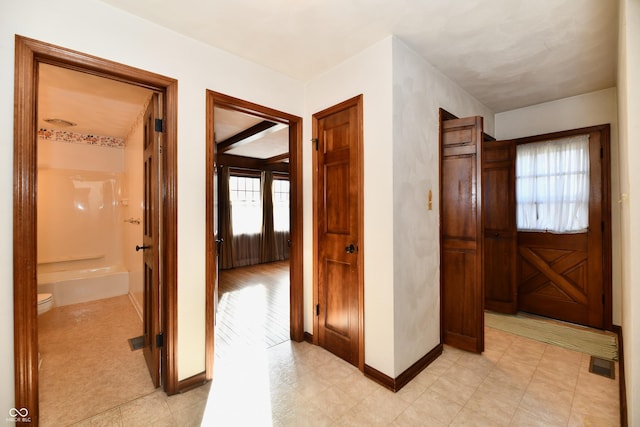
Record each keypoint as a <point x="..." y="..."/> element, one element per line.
<point x="589" y="109"/>
<point x="629" y="114"/>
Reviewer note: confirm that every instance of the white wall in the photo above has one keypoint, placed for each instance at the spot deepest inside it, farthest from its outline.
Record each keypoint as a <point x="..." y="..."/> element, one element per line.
<point x="368" y="73"/>
<point x="402" y="94"/>
<point x="629" y="112"/>
<point x="419" y="90"/>
<point x="98" y="29"/>
<point x="589" y="109"/>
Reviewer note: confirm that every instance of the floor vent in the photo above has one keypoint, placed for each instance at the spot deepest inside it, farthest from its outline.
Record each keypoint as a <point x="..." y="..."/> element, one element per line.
<point x="603" y="367"/>
<point x="136" y="343"/>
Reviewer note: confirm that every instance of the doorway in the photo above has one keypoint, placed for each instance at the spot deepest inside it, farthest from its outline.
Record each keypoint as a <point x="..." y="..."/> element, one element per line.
<point x="258" y="122"/>
<point x="559" y="273"/>
<point x="90" y="218"/>
<point x="29" y="55"/>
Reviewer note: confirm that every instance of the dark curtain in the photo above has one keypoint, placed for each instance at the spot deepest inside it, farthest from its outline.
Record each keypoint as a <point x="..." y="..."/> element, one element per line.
<point x="281" y="245"/>
<point x="224" y="224"/>
<point x="246" y="250"/>
<point x="267" y="241"/>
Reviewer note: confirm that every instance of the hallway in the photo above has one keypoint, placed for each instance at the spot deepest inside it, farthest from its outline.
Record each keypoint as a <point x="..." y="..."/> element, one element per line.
<point x="515" y="382"/>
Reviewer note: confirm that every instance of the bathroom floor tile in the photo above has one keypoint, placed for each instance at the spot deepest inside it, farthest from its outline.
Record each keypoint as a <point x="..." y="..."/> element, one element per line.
<point x="87" y="365"/>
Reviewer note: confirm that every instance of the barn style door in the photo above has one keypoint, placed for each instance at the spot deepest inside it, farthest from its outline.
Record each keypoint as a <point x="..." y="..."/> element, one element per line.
<point x="567" y="276"/>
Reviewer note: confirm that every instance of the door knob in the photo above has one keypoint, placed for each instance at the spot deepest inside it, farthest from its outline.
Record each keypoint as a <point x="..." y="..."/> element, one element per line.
<point x="350" y="249"/>
<point x="141" y="247"/>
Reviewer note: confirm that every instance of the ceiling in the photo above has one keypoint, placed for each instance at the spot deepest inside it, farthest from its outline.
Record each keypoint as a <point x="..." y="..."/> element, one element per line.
<point x="100" y="106"/>
<point x="96" y="105"/>
<point x="506" y="53"/>
<point x="264" y="145"/>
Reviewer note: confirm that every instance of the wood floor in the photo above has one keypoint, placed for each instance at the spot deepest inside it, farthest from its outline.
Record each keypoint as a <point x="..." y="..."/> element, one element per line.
<point x="253" y="308"/>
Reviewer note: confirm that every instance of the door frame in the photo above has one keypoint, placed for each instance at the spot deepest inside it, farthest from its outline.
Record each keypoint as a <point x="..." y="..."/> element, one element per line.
<point x="29" y="53"/>
<point x="296" y="306"/>
<point x="357" y="102"/>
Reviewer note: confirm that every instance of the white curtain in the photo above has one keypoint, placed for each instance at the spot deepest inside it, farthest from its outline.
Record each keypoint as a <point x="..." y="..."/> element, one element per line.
<point x="552" y="185"/>
<point x="281" y="205"/>
<point x="246" y="205"/>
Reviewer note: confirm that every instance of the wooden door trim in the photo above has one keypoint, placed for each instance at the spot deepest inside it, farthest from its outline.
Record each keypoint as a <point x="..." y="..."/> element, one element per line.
<point x="357" y="102"/>
<point x="296" y="304"/>
<point x="28" y="54"/>
<point x="605" y="172"/>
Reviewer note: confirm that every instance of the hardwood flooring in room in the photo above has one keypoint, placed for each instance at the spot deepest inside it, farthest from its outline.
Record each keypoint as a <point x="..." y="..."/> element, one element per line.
<point x="253" y="307"/>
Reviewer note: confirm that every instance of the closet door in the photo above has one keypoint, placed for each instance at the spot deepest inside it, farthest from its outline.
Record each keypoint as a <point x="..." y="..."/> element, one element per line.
<point x="500" y="235"/>
<point x="461" y="233"/>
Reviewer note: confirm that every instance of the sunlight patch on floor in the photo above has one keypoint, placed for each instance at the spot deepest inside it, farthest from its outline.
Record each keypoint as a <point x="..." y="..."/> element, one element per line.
<point x="240" y="392"/>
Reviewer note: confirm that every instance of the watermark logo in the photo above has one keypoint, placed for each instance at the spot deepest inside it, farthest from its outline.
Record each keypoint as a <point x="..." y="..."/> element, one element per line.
<point x="19" y="415"/>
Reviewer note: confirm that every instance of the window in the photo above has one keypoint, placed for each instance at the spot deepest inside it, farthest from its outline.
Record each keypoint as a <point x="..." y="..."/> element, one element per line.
<point x="246" y="206"/>
<point x="552" y="185"/>
<point x="280" y="205"/>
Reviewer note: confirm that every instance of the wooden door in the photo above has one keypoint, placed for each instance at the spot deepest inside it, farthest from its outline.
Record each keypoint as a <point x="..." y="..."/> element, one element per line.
<point x="338" y="221"/>
<point x="500" y="235"/>
<point x="461" y="224"/>
<point x="564" y="276"/>
<point x="150" y="242"/>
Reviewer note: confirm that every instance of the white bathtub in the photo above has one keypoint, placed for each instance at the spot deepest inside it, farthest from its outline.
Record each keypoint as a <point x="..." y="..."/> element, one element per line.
<point x="76" y="286"/>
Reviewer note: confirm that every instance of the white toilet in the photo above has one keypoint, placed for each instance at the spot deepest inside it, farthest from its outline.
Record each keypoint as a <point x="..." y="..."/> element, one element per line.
<point x="45" y="302"/>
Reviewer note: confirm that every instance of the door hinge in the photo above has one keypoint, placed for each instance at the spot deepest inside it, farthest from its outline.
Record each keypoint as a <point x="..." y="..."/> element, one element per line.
<point x="602" y="299"/>
<point x="315" y="141"/>
<point x="160" y="340"/>
<point x="602" y="226"/>
<point x="158" y="125"/>
<point x="601" y="152"/>
<point x="317" y="309"/>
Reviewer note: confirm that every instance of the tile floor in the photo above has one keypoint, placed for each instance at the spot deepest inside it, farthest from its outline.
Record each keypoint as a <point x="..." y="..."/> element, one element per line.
<point x="516" y="382"/>
<point x="87" y="365"/>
